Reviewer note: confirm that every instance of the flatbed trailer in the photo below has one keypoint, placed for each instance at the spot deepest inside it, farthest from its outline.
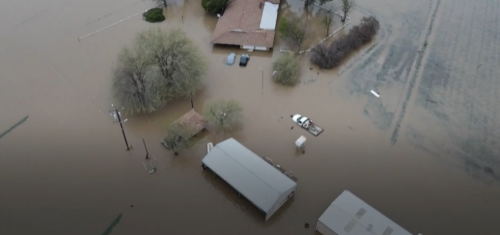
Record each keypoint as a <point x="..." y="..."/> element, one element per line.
<point x="314" y="130"/>
<point x="307" y="124"/>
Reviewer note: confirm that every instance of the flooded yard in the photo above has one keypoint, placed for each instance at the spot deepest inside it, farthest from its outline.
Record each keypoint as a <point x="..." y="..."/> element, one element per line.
<point x="425" y="153"/>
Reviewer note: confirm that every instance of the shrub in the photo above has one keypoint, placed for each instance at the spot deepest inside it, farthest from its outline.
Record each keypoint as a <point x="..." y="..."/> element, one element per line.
<point x="225" y="115"/>
<point x="154" y="15"/>
<point x="174" y="139"/>
<point x="287" y="70"/>
<point x="328" y="57"/>
<point x="215" y="6"/>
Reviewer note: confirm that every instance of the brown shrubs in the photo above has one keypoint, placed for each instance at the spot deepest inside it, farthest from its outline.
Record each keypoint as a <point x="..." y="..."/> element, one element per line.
<point x="328" y="57"/>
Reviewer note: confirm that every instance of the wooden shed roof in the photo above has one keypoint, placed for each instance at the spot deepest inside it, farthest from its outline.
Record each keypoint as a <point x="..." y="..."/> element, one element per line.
<point x="193" y="121"/>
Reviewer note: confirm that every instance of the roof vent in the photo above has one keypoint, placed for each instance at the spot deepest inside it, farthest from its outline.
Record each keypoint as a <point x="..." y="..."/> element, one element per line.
<point x="369" y="228"/>
<point x="360" y="213"/>
<point x="261" y="4"/>
<point x="388" y="231"/>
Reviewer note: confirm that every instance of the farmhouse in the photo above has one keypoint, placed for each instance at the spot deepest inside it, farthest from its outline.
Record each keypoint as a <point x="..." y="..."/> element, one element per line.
<point x="249" y="24"/>
<point x="349" y="215"/>
<point x="258" y="181"/>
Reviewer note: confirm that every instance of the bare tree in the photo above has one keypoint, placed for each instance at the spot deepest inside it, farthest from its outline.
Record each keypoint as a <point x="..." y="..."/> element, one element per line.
<point x="346" y="7"/>
<point x="174" y="139"/>
<point x="328" y="57"/>
<point x="328" y="20"/>
<point x="225" y="115"/>
<point x="308" y="3"/>
<point x="294" y="31"/>
<point x="178" y="62"/>
<point x="286" y="70"/>
<point x="133" y="81"/>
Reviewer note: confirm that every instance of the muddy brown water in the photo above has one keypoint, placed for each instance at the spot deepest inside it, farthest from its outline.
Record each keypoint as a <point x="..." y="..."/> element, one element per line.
<point x="428" y="160"/>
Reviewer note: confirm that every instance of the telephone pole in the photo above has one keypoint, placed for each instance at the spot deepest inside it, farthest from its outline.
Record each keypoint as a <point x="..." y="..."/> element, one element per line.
<point x="192" y="105"/>
<point x="147" y="153"/>
<point x="116" y="114"/>
<point x="262" y="72"/>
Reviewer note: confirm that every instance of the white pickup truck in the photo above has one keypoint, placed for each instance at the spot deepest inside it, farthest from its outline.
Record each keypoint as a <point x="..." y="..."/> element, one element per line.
<point x="307" y="124"/>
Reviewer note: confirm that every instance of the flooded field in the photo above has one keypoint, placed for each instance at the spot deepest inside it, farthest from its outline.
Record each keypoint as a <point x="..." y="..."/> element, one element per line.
<point x="425" y="153"/>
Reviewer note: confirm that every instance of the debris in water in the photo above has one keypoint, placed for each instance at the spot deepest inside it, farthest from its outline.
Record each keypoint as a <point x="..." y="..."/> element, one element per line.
<point x="375" y="93"/>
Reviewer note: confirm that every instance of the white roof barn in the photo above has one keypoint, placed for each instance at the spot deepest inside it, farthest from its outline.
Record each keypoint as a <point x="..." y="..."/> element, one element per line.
<point x="255" y="179"/>
<point x="349" y="215"/>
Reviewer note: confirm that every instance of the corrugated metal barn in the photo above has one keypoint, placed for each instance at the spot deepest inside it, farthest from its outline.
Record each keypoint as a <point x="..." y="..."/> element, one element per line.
<point x="258" y="181"/>
<point x="349" y="215"/>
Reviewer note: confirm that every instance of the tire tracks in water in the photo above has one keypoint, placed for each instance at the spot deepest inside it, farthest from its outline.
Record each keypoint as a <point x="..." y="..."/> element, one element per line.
<point x="413" y="80"/>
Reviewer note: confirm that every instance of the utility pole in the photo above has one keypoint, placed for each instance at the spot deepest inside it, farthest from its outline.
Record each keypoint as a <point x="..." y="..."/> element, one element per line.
<point x="147" y="153"/>
<point x="262" y="79"/>
<point x="192" y="105"/>
<point x="116" y="114"/>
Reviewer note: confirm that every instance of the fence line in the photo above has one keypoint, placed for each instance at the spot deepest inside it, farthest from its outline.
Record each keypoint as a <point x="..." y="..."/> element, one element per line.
<point x="320" y="41"/>
<point x="111" y="25"/>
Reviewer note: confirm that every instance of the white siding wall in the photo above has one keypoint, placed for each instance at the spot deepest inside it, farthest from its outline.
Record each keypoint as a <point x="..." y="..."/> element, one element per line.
<point x="320" y="227"/>
<point x="284" y="198"/>
<point x="248" y="47"/>
<point x="261" y="48"/>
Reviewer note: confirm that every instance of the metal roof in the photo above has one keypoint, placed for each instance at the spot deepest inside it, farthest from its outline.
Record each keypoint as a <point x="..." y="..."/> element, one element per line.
<point x="249" y="174"/>
<point x="269" y="16"/>
<point x="349" y="215"/>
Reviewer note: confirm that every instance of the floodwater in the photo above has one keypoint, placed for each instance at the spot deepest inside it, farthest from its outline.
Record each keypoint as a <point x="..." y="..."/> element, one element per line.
<point x="425" y="153"/>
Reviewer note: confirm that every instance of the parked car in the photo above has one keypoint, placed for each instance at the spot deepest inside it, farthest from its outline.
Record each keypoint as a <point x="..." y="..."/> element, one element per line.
<point x="244" y="60"/>
<point x="231" y="58"/>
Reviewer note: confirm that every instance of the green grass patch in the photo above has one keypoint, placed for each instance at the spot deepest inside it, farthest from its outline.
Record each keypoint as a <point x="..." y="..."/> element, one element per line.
<point x="154" y="15"/>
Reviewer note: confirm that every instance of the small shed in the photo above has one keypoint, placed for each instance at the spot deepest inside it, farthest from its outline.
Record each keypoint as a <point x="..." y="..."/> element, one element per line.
<point x="349" y="215"/>
<point x="301" y="142"/>
<point x="258" y="181"/>
<point x="193" y="122"/>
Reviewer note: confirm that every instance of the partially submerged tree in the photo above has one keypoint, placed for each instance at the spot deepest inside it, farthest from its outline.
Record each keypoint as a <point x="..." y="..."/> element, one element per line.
<point x="225" y="115"/>
<point x="328" y="20"/>
<point x="215" y="6"/>
<point x="308" y="3"/>
<point x="294" y="31"/>
<point x="157" y="68"/>
<point x="286" y="70"/>
<point x="174" y="139"/>
<point x="134" y="84"/>
<point x="345" y="7"/>
<point x="328" y="57"/>
<point x="178" y="62"/>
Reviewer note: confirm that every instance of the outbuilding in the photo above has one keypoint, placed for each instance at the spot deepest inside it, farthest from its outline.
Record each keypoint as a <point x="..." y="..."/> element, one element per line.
<point x="255" y="179"/>
<point x="349" y="215"/>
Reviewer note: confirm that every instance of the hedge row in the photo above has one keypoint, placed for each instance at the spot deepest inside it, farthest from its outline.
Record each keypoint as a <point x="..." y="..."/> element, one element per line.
<point x="328" y="57"/>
